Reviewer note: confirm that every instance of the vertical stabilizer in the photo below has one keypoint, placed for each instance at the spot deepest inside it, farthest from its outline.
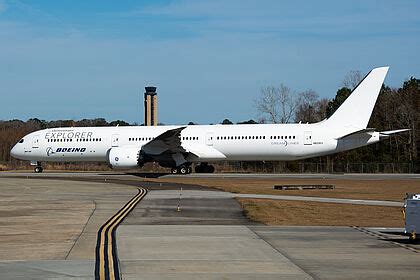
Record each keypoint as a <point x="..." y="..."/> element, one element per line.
<point x="355" y="112"/>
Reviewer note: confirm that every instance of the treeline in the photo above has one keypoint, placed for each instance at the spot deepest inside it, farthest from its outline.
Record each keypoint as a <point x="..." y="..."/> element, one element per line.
<point x="396" y="108"/>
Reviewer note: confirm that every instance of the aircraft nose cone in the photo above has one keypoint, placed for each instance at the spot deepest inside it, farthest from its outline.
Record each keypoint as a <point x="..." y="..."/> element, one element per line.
<point x="14" y="151"/>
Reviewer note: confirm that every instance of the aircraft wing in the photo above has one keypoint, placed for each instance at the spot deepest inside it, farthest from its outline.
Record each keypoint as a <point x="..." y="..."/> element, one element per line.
<point x="203" y="151"/>
<point x="168" y="147"/>
<point x="169" y="141"/>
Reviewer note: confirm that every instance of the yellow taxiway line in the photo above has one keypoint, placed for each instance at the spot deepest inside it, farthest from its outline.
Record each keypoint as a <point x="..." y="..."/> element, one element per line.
<point x="106" y="266"/>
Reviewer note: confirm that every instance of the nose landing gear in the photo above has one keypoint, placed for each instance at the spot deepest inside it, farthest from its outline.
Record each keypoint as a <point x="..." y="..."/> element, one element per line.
<point x="38" y="168"/>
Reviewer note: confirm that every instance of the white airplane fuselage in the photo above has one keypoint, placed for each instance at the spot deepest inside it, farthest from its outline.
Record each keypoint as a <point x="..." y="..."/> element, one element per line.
<point x="235" y="142"/>
<point x="179" y="146"/>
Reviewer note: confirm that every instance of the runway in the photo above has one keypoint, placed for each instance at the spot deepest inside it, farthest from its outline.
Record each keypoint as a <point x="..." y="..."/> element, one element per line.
<point x="49" y="228"/>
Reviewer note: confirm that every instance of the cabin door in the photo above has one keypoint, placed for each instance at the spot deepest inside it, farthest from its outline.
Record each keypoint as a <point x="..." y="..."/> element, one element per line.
<point x="115" y="140"/>
<point x="308" y="138"/>
<point x="209" y="138"/>
<point x="35" y="141"/>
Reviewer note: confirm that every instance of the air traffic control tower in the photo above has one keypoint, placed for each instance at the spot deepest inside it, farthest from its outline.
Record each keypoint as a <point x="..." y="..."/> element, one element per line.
<point x="150" y="106"/>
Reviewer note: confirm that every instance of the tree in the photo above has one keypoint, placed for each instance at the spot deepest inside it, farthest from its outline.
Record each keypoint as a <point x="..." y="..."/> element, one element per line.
<point x="119" y="123"/>
<point x="409" y="112"/>
<point x="276" y="105"/>
<point x="310" y="108"/>
<point x="226" y="121"/>
<point x="248" y="122"/>
<point x="352" y="79"/>
<point x="339" y="99"/>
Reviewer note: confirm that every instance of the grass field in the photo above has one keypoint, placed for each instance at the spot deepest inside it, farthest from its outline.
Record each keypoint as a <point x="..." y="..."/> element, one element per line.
<point x="300" y="213"/>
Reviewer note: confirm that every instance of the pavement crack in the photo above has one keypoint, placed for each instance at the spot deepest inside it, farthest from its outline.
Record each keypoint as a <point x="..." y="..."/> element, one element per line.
<point x="83" y="229"/>
<point x="283" y="254"/>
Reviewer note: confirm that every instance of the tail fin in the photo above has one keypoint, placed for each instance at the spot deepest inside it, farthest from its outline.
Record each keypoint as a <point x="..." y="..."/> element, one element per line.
<point x="354" y="113"/>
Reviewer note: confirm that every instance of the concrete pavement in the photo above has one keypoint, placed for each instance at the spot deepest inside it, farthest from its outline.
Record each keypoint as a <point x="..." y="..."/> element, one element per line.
<point x="48" y="231"/>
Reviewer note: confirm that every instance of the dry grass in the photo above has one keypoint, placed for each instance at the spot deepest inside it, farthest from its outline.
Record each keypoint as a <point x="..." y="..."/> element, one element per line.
<point x="390" y="189"/>
<point x="278" y="212"/>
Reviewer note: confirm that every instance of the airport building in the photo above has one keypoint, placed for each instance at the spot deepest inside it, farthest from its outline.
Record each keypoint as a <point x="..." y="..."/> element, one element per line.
<point x="150" y="106"/>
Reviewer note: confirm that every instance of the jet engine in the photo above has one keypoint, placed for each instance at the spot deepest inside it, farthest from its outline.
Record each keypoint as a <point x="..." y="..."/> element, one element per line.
<point x="123" y="157"/>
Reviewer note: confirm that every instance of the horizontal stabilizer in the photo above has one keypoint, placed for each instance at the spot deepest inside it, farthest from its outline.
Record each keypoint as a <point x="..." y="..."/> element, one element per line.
<point x="362" y="131"/>
<point x="391" y="132"/>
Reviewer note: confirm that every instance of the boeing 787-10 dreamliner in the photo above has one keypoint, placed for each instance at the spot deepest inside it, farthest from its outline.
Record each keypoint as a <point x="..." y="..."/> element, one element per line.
<point x="177" y="147"/>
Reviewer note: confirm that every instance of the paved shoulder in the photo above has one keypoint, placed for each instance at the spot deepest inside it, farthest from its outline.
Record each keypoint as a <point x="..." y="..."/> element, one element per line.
<point x="322" y="199"/>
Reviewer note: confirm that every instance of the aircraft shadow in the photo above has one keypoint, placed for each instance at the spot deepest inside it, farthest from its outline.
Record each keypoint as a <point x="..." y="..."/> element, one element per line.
<point x="137" y="174"/>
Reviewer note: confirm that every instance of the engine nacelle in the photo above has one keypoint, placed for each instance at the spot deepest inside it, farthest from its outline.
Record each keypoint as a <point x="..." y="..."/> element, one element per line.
<point x="123" y="157"/>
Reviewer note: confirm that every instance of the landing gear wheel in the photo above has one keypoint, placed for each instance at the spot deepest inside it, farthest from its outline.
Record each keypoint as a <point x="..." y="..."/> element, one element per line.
<point x="174" y="171"/>
<point x="38" y="169"/>
<point x="210" y="169"/>
<point x="183" y="170"/>
<point x="204" y="168"/>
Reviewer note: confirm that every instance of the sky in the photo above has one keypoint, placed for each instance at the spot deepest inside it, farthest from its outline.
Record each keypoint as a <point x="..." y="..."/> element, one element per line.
<point x="208" y="59"/>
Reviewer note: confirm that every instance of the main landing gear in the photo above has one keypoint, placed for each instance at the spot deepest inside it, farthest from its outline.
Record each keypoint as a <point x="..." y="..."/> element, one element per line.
<point x="204" y="167"/>
<point x="181" y="170"/>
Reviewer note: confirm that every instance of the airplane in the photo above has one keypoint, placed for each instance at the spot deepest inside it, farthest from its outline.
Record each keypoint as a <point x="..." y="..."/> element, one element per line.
<point x="178" y="147"/>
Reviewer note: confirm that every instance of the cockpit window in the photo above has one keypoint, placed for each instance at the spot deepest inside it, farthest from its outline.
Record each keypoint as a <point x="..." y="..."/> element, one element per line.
<point x="21" y="140"/>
